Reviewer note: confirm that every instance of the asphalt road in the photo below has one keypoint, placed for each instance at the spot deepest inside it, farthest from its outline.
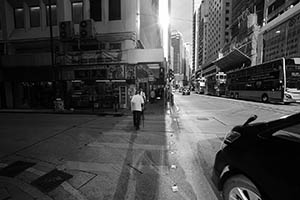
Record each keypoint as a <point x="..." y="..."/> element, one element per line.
<point x="171" y="157"/>
<point x="202" y="124"/>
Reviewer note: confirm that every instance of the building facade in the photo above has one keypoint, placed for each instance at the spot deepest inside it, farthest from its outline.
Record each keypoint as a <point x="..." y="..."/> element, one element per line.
<point x="274" y="8"/>
<point x="177" y="44"/>
<point x="213" y="22"/>
<point x="88" y="51"/>
<point x="280" y="36"/>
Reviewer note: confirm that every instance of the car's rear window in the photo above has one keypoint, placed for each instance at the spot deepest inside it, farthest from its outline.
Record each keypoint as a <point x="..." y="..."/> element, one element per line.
<point x="289" y="133"/>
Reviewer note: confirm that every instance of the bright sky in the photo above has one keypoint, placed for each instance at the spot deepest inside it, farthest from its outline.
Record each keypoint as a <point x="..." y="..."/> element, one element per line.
<point x="182" y="17"/>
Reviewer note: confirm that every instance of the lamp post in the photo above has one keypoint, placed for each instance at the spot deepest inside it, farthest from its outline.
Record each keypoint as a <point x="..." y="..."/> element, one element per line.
<point x="51" y="33"/>
<point x="51" y="47"/>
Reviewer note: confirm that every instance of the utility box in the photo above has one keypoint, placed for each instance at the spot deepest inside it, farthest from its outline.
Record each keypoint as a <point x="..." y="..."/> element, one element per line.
<point x="66" y="30"/>
<point x="87" y="29"/>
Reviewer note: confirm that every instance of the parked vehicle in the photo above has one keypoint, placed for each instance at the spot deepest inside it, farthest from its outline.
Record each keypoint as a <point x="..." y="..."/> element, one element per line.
<point x="260" y="161"/>
<point x="273" y="81"/>
<point x="186" y="91"/>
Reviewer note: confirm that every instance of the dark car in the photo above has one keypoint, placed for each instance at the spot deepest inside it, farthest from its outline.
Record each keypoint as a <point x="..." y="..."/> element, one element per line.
<point x="260" y="161"/>
<point x="186" y="92"/>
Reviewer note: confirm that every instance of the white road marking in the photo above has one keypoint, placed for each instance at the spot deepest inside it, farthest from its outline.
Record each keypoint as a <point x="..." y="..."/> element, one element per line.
<point x="126" y="146"/>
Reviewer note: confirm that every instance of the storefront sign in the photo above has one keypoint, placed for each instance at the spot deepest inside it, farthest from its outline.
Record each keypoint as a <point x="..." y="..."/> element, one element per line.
<point x="97" y="57"/>
<point x="103" y="72"/>
<point x="130" y="73"/>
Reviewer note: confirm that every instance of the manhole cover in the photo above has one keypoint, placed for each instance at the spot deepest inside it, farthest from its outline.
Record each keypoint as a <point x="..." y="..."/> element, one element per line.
<point x="51" y="180"/>
<point x="202" y="118"/>
<point x="15" y="168"/>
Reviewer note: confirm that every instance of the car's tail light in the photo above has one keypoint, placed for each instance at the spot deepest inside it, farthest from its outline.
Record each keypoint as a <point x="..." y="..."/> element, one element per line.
<point x="230" y="138"/>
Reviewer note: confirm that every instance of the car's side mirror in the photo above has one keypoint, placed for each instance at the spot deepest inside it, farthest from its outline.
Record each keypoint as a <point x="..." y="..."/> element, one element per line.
<point x="251" y="119"/>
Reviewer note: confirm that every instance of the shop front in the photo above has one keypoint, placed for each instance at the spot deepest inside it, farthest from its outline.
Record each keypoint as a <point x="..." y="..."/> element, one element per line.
<point x="28" y="87"/>
<point x="98" y="87"/>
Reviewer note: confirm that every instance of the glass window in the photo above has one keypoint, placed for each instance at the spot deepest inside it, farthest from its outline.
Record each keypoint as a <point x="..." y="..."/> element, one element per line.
<point x="115" y="46"/>
<point x="114" y="9"/>
<point x="53" y="14"/>
<point x="35" y="16"/>
<point x="19" y="17"/>
<point x="96" y="10"/>
<point x="77" y="12"/>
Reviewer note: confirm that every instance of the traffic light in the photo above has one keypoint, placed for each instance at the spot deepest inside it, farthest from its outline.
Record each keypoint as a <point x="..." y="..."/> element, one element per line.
<point x="171" y="75"/>
<point x="86" y="29"/>
<point x="66" y="30"/>
<point x="161" y="73"/>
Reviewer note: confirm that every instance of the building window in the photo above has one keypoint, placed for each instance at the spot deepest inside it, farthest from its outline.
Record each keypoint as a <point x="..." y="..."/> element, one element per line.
<point x="96" y="10"/>
<point x="115" y="46"/>
<point x="227" y="4"/>
<point x="53" y="15"/>
<point x="114" y="9"/>
<point x="19" y="17"/>
<point x="77" y="12"/>
<point x="35" y="16"/>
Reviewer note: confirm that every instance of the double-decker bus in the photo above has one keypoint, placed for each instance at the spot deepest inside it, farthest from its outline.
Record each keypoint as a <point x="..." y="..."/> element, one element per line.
<point x="273" y="81"/>
<point x="220" y="83"/>
<point x="200" y="85"/>
<point x="216" y="84"/>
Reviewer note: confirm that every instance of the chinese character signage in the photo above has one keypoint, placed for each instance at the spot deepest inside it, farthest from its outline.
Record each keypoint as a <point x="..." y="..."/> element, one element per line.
<point x="130" y="73"/>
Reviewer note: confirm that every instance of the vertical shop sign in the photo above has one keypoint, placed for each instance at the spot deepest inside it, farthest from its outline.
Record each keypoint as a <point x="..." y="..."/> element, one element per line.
<point x="130" y="73"/>
<point x="116" y="72"/>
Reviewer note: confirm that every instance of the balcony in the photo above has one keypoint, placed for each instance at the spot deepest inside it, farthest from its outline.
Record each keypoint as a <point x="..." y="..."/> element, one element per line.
<point x="33" y="60"/>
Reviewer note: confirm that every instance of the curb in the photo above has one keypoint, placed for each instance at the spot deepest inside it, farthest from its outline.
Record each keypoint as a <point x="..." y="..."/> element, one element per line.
<point x="116" y="114"/>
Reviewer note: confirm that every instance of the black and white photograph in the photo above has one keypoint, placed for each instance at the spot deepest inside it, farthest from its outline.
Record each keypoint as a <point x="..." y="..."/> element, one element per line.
<point x="149" y="99"/>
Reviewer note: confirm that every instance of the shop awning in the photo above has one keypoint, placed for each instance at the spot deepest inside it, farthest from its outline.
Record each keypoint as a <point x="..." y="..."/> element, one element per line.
<point x="232" y="60"/>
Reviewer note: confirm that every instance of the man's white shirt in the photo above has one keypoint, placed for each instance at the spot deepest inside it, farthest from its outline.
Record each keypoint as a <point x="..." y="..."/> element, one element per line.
<point x="136" y="102"/>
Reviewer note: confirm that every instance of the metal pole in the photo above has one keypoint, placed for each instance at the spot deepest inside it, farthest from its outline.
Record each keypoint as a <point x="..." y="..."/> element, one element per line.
<point x="51" y="38"/>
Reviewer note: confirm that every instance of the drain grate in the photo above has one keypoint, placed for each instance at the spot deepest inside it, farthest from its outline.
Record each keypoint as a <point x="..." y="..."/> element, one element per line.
<point x="15" y="168"/>
<point x="202" y="118"/>
<point x="51" y="180"/>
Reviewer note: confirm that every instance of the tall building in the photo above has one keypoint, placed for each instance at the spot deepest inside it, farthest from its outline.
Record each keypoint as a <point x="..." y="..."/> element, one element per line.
<point x="187" y="62"/>
<point x="241" y="48"/>
<point x="194" y="35"/>
<point x="177" y="44"/>
<point x="213" y="22"/>
<point x="83" y="51"/>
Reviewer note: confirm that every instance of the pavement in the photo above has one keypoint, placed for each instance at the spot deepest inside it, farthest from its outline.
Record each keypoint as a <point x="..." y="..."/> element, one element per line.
<point x="25" y="178"/>
<point x="100" y="112"/>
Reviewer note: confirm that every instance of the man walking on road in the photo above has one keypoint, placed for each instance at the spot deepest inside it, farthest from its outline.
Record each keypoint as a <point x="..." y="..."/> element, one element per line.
<point x="137" y="103"/>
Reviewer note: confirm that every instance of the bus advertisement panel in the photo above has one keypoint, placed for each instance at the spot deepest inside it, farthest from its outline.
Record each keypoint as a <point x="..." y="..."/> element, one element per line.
<point x="272" y="81"/>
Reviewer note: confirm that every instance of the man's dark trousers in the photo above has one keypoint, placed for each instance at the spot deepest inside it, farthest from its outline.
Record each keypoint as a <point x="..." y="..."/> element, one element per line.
<point x="136" y="118"/>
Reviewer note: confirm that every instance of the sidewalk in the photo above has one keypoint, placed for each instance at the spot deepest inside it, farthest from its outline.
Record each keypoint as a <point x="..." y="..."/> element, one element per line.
<point x="120" y="112"/>
<point x="155" y="108"/>
<point x="21" y="187"/>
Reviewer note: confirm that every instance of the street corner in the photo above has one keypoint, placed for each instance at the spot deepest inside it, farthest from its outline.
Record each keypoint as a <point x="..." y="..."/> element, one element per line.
<point x="12" y="188"/>
<point x="28" y="180"/>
